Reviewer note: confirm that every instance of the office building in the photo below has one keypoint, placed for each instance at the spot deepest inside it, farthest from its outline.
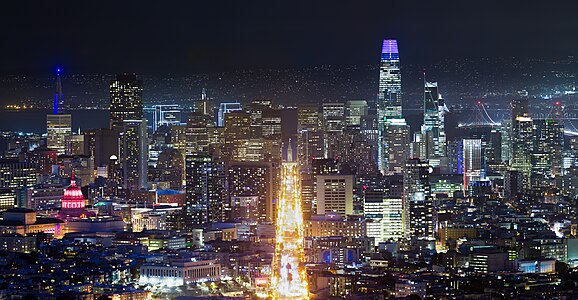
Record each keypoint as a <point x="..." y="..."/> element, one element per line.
<point x="549" y="138"/>
<point x="134" y="154"/>
<point x="171" y="168"/>
<point x="166" y="115"/>
<point x="101" y="143"/>
<point x="355" y="110"/>
<point x="522" y="145"/>
<point x="126" y="101"/>
<point x="16" y="174"/>
<point x="74" y="144"/>
<point x="433" y="121"/>
<point x="58" y="128"/>
<point x="310" y="140"/>
<point x="389" y="105"/>
<point x="44" y="158"/>
<point x="333" y="123"/>
<point x="224" y="109"/>
<point x="473" y="165"/>
<point x="197" y="133"/>
<point x="334" y="194"/>
<point x="417" y="201"/>
<point x="397" y="138"/>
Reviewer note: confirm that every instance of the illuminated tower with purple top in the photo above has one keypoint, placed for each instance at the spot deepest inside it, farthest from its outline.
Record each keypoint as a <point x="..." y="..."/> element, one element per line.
<point x="388" y="98"/>
<point x="58" y="95"/>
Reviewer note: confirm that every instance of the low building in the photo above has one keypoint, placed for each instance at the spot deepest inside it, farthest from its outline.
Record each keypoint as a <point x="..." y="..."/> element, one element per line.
<point x="148" y="220"/>
<point x="100" y="224"/>
<point x="24" y="221"/>
<point x="180" y="272"/>
<point x="537" y="266"/>
<point x="17" y="243"/>
<point x="406" y="288"/>
<point x="335" y="225"/>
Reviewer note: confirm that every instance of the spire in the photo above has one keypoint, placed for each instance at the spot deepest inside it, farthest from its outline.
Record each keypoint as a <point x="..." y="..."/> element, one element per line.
<point x="72" y="181"/>
<point x="58" y="96"/>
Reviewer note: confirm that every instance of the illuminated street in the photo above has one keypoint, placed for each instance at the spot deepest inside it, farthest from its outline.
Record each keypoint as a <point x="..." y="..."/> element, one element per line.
<point x="289" y="277"/>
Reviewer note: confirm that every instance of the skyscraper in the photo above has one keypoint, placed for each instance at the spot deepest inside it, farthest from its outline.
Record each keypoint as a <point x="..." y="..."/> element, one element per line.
<point x="549" y="138"/>
<point x="389" y="104"/>
<point x="473" y="169"/>
<point x="310" y="141"/>
<point x="169" y="114"/>
<point x="333" y="124"/>
<point x="433" y="121"/>
<point x="58" y="126"/>
<point x="397" y="139"/>
<point x="205" y="198"/>
<point x="355" y="110"/>
<point x="58" y="95"/>
<point x="197" y="133"/>
<point x="134" y="154"/>
<point x="246" y="179"/>
<point x="125" y="99"/>
<point x="522" y="144"/>
<point x="417" y="200"/>
<point x="225" y="108"/>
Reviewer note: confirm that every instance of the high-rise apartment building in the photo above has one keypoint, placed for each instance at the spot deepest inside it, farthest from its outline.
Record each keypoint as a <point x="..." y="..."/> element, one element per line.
<point x="246" y="179"/>
<point x="134" y="154"/>
<point x="417" y="200"/>
<point x="126" y="101"/>
<point x="205" y="190"/>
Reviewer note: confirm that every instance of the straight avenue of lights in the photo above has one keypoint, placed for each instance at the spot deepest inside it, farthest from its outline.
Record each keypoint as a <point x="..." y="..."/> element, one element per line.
<point x="289" y="277"/>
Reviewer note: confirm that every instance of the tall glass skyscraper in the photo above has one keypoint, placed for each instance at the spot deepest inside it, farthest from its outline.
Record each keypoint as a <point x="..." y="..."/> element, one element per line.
<point x="388" y="97"/>
<point x="433" y="121"/>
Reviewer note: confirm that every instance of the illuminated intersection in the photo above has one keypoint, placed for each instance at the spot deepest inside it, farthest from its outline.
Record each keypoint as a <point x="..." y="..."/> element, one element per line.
<point x="289" y="276"/>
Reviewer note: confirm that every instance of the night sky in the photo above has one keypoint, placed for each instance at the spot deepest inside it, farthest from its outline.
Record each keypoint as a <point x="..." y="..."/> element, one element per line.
<point x="153" y="37"/>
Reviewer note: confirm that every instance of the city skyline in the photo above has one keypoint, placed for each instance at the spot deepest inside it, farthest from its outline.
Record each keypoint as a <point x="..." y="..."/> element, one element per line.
<point x="268" y="151"/>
